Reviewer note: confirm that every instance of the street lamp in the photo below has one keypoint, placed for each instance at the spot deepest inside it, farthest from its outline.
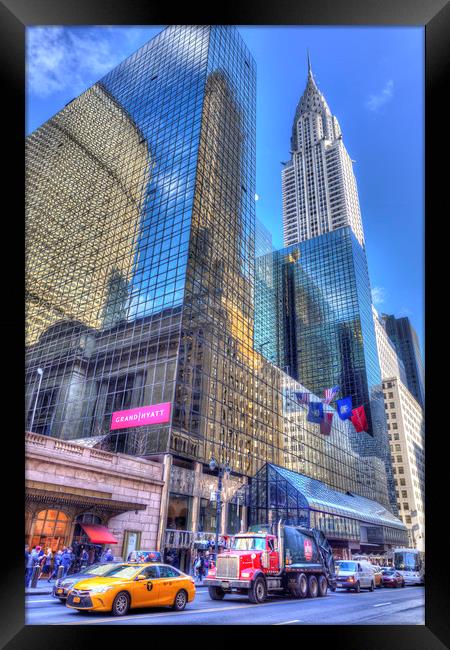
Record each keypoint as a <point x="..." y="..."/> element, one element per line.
<point x="222" y="469"/>
<point x="40" y="372"/>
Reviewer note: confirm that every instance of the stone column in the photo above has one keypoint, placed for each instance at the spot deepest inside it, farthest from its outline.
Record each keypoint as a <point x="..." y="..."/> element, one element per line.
<point x="244" y="511"/>
<point x="164" y="503"/>
<point x="198" y="469"/>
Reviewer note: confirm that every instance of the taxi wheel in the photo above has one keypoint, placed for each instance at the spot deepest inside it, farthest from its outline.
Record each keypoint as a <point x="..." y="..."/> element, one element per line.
<point x="121" y="604"/>
<point x="180" y="601"/>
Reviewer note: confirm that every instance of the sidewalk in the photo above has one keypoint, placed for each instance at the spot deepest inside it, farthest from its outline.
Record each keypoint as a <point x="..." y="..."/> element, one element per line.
<point x="43" y="587"/>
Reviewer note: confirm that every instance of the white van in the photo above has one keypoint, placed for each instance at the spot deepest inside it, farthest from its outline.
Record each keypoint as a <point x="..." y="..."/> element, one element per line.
<point x="355" y="574"/>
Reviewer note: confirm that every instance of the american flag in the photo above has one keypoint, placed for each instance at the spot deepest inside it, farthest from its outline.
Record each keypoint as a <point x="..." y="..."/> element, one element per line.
<point x="302" y="398"/>
<point x="330" y="394"/>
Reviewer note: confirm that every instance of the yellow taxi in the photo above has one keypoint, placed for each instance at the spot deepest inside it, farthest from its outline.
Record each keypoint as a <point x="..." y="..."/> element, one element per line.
<point x="378" y="575"/>
<point x="133" y="585"/>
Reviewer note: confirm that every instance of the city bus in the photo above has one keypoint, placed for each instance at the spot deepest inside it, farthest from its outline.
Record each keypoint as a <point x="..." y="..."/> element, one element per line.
<point x="411" y="564"/>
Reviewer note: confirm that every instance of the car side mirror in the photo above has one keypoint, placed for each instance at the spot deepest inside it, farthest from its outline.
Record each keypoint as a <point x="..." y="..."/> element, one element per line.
<point x="141" y="576"/>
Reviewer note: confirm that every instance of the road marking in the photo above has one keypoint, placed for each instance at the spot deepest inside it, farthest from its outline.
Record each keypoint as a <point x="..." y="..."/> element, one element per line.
<point x="185" y="612"/>
<point x="382" y="604"/>
<point x="296" y="620"/>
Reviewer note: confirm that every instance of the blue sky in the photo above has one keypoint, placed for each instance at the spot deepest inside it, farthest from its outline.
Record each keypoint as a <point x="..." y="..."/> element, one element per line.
<point x="373" y="81"/>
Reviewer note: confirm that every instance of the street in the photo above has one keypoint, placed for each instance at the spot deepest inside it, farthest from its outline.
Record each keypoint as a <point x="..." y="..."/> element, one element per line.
<point x="385" y="606"/>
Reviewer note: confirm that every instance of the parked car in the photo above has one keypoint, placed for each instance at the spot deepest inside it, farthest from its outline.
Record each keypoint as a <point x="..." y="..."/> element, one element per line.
<point x="133" y="585"/>
<point x="356" y="575"/>
<point x="63" y="585"/>
<point x="377" y="575"/>
<point x="392" y="578"/>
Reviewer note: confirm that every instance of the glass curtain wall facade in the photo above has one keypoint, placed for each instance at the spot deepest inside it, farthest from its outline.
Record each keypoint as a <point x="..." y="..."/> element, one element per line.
<point x="140" y="271"/>
<point x="325" y="333"/>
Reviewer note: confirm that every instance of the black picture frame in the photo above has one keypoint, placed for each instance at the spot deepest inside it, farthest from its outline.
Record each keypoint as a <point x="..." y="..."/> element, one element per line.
<point x="434" y="15"/>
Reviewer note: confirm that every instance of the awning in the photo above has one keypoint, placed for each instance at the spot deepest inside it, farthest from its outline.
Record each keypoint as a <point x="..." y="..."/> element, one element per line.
<point x="98" y="534"/>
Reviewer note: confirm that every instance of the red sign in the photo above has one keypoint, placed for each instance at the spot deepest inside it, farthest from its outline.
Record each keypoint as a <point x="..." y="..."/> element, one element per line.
<point x="142" y="416"/>
<point x="308" y="549"/>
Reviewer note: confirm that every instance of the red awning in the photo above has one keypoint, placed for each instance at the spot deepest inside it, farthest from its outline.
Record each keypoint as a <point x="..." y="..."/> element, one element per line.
<point x="99" y="534"/>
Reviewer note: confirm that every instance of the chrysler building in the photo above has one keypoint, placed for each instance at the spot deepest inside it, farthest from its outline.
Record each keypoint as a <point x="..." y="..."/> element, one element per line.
<point x="318" y="184"/>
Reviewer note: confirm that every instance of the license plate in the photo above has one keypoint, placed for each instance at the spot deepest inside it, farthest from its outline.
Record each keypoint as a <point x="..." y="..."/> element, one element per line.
<point x="225" y="585"/>
<point x="76" y="599"/>
<point x="59" y="591"/>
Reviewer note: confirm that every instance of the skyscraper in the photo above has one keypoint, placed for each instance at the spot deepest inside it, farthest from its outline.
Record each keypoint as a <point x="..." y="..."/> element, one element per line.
<point x="404" y="337"/>
<point x="319" y="285"/>
<point x="318" y="184"/>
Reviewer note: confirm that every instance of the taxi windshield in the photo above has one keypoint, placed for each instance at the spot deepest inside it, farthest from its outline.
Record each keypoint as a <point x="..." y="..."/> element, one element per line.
<point x="249" y="543"/>
<point x="100" y="569"/>
<point x="122" y="571"/>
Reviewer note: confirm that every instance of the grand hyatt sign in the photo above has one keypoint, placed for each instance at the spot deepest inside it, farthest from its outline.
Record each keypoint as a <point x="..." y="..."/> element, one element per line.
<point x="142" y="416"/>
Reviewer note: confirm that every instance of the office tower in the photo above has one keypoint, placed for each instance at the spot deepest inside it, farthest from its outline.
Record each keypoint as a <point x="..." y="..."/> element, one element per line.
<point x="406" y="429"/>
<point x="406" y="342"/>
<point x="406" y="432"/>
<point x="318" y="285"/>
<point x="318" y="184"/>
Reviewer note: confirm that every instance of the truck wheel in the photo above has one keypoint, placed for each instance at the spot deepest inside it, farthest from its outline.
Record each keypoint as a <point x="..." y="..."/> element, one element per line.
<point x="313" y="586"/>
<point x="216" y="593"/>
<point x="323" y="585"/>
<point x="372" y="586"/>
<point x="258" y="591"/>
<point x="299" y="586"/>
<point x="358" y="588"/>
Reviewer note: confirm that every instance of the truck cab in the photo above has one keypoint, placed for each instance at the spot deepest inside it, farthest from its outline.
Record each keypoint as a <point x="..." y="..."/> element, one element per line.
<point x="259" y="563"/>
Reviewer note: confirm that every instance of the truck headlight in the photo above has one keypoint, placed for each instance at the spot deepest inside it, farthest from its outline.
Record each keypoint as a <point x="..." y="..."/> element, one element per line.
<point x="246" y="574"/>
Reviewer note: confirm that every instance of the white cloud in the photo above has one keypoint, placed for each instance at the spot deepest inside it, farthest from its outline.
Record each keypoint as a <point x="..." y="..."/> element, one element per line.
<point x="378" y="295"/>
<point x="385" y="95"/>
<point x="59" y="58"/>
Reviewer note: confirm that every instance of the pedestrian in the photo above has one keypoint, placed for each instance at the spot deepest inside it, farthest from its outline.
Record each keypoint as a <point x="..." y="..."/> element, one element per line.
<point x="84" y="559"/>
<point x="200" y="567"/>
<point x="56" y="563"/>
<point x="107" y="556"/>
<point x="91" y="555"/>
<point x="32" y="561"/>
<point x="27" y="555"/>
<point x="45" y="563"/>
<point x="66" y="561"/>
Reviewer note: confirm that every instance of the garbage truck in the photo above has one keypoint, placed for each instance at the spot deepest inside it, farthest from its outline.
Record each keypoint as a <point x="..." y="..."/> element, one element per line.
<point x="291" y="561"/>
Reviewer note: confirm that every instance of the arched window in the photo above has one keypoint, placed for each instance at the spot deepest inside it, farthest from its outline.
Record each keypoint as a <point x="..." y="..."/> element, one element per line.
<point x="79" y="535"/>
<point x="50" y="530"/>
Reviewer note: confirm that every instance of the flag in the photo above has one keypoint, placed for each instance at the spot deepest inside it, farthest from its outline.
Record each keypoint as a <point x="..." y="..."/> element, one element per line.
<point x="325" y="425"/>
<point x="344" y="408"/>
<point x="302" y="398"/>
<point x="330" y="394"/>
<point x="359" y="419"/>
<point x="315" y="412"/>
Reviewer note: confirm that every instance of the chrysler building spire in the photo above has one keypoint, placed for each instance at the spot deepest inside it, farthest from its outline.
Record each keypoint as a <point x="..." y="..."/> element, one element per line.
<point x="319" y="187"/>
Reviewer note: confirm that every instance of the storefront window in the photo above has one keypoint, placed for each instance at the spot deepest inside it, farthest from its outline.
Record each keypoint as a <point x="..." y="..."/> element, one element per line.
<point x="178" y="512"/>
<point x="50" y="529"/>
<point x="234" y="523"/>
<point x="207" y="515"/>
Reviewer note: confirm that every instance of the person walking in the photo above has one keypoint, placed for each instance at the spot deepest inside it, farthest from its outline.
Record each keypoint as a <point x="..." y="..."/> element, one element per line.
<point x="107" y="556"/>
<point x="200" y="567"/>
<point x="84" y="559"/>
<point x="56" y="563"/>
<point x="91" y="556"/>
<point x="45" y="563"/>
<point x="66" y="561"/>
<point x="32" y="561"/>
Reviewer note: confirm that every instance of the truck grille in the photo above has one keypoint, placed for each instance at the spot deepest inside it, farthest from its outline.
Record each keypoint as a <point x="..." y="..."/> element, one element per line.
<point x="227" y="566"/>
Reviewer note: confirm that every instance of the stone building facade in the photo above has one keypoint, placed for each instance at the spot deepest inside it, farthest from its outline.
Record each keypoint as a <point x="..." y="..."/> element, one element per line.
<point x="68" y="484"/>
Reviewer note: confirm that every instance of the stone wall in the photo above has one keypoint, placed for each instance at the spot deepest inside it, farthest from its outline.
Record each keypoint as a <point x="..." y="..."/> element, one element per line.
<point x="93" y="480"/>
